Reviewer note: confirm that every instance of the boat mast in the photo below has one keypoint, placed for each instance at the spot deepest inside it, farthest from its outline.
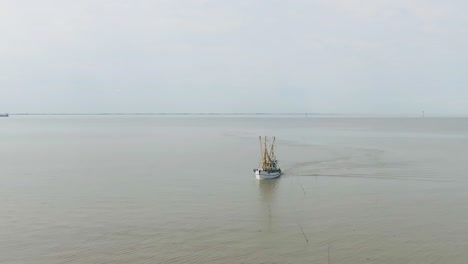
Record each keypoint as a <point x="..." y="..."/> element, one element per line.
<point x="272" y="150"/>
<point x="261" y="151"/>
<point x="268" y="160"/>
<point x="266" y="156"/>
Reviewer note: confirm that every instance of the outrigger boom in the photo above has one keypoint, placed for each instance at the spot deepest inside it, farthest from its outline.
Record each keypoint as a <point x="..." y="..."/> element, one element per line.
<point x="268" y="167"/>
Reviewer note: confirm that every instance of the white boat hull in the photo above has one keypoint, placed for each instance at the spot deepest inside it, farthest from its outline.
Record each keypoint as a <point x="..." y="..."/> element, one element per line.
<point x="265" y="175"/>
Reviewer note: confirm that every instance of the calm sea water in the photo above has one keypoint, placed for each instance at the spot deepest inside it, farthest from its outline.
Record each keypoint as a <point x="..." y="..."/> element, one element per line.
<point x="181" y="190"/>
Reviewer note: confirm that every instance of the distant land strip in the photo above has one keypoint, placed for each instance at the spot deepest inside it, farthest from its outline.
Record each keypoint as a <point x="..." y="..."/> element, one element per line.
<point x="311" y="115"/>
<point x="178" y="114"/>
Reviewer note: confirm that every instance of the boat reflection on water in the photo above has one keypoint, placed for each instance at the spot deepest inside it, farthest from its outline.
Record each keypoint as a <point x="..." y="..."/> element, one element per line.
<point x="267" y="190"/>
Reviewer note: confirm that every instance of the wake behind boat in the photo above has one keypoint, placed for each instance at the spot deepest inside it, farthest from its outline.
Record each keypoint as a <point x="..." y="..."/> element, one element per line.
<point x="268" y="168"/>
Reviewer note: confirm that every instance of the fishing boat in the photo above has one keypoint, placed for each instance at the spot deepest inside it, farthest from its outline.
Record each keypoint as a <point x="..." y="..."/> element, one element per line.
<point x="268" y="168"/>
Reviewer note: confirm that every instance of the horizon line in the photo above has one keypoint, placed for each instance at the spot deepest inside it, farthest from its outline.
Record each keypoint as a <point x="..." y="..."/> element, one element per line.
<point x="177" y="113"/>
<point x="230" y="114"/>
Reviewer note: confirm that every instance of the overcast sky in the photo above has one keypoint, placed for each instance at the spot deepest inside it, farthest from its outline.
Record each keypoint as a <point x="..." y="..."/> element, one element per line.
<point x="339" y="56"/>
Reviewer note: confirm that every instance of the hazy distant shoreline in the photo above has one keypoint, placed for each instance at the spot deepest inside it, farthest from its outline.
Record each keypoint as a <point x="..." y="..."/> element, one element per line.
<point x="179" y="114"/>
<point x="304" y="115"/>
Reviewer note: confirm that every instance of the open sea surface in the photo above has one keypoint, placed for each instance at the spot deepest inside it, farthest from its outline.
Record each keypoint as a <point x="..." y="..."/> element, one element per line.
<point x="154" y="189"/>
